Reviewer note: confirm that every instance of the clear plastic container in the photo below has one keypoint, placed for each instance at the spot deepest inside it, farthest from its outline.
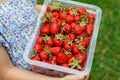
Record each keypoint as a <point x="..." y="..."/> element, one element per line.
<point x="55" y="70"/>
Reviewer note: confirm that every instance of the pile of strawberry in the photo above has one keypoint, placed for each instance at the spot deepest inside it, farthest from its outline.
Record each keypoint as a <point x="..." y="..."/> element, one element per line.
<point x="64" y="36"/>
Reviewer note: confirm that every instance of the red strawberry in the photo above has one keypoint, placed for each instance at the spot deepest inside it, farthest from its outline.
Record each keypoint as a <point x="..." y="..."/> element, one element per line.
<point x="54" y="28"/>
<point x="55" y="50"/>
<point x="75" y="49"/>
<point x="59" y="22"/>
<point x="62" y="15"/>
<point x="48" y="9"/>
<point x="73" y="26"/>
<point x="48" y="40"/>
<point x="70" y="55"/>
<point x="44" y="55"/>
<point x="38" y="47"/>
<point x="65" y="65"/>
<point x="79" y="29"/>
<point x="89" y="29"/>
<point x="77" y="18"/>
<point x="45" y="29"/>
<point x="47" y="47"/>
<point x="73" y="12"/>
<point x="55" y="14"/>
<point x="82" y="58"/>
<point x="83" y="35"/>
<point x="68" y="45"/>
<point x="39" y="40"/>
<point x="58" y="39"/>
<point x="53" y="60"/>
<point x="85" y="42"/>
<point x="91" y="17"/>
<point x="53" y="19"/>
<point x="72" y="36"/>
<point x="69" y="19"/>
<point x="37" y="58"/>
<point x="81" y="11"/>
<point x="67" y="28"/>
<point x="61" y="58"/>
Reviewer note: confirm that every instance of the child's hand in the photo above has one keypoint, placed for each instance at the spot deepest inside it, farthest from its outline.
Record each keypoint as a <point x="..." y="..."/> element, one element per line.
<point x="74" y="77"/>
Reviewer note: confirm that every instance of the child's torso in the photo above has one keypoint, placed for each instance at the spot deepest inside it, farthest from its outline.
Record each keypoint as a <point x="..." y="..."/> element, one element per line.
<point x="18" y="18"/>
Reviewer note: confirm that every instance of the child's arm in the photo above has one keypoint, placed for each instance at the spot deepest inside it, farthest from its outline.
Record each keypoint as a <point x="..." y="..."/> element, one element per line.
<point x="10" y="72"/>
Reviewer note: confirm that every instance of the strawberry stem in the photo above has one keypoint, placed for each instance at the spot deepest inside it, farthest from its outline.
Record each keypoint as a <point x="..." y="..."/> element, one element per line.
<point x="49" y="15"/>
<point x="63" y="22"/>
<point x="59" y="36"/>
<point x="74" y="12"/>
<point x="79" y="39"/>
<point x="67" y="52"/>
<point x="80" y="47"/>
<point x="46" y="38"/>
<point x="75" y="63"/>
<point x="33" y="53"/>
<point x="70" y="42"/>
<point x="43" y="19"/>
<point x="55" y="6"/>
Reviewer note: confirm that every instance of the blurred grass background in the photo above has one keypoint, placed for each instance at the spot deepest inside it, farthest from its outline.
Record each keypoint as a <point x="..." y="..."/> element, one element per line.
<point x="106" y="63"/>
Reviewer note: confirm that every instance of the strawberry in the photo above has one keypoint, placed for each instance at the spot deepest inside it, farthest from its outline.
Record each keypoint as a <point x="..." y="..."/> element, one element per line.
<point x="62" y="15"/>
<point x="65" y="65"/>
<point x="55" y="14"/>
<point x="48" y="40"/>
<point x="37" y="58"/>
<point x="77" y="18"/>
<point x="73" y="25"/>
<point x="89" y="29"/>
<point x="69" y="19"/>
<point x="38" y="47"/>
<point x="53" y="60"/>
<point x="44" y="55"/>
<point x="58" y="39"/>
<point x="77" y="48"/>
<point x="45" y="29"/>
<point x="91" y="18"/>
<point x="79" y="29"/>
<point x="53" y="19"/>
<point x="73" y="12"/>
<point x="85" y="42"/>
<point x="39" y="40"/>
<point x="54" y="28"/>
<point x="67" y="28"/>
<point x="82" y="58"/>
<point x="48" y="9"/>
<point x="68" y="45"/>
<point x="82" y="11"/>
<point x="61" y="58"/>
<point x="72" y="36"/>
<point x="55" y="50"/>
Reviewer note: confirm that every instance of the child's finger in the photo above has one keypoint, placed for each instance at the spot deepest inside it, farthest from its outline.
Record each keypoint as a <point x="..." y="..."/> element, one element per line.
<point x="74" y="77"/>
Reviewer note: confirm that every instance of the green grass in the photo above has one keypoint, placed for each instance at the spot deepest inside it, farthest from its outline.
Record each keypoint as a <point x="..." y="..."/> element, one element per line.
<point x="106" y="63"/>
